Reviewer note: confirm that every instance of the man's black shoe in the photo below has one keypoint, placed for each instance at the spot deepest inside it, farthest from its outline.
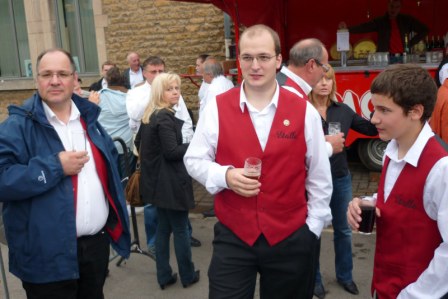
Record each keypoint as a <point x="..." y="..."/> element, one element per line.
<point x="209" y="213"/>
<point x="195" y="242"/>
<point x="319" y="291"/>
<point x="350" y="287"/>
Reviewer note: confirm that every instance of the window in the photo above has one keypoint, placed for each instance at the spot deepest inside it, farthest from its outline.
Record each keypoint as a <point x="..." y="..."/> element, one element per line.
<point x="76" y="33"/>
<point x="15" y="54"/>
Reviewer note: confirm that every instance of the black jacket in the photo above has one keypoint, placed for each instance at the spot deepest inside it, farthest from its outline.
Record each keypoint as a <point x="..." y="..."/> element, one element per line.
<point x="381" y="25"/>
<point x="349" y="119"/>
<point x="164" y="180"/>
<point x="96" y="86"/>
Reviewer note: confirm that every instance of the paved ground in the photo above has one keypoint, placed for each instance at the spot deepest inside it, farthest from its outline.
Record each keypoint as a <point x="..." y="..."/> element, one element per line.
<point x="136" y="277"/>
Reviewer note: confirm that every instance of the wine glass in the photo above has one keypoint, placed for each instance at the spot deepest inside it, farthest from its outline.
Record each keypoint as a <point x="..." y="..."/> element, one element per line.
<point x="334" y="128"/>
<point x="252" y="168"/>
<point x="78" y="139"/>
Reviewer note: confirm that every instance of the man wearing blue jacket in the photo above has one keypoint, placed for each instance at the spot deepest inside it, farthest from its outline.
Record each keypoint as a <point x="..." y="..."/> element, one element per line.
<point x="62" y="205"/>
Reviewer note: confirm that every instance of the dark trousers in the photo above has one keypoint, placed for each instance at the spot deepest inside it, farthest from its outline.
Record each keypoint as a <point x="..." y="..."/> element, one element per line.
<point x="287" y="269"/>
<point x="93" y="259"/>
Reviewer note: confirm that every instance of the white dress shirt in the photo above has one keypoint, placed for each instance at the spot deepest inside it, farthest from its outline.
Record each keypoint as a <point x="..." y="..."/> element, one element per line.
<point x="307" y="90"/>
<point x="433" y="282"/>
<point x="218" y="85"/>
<point x="200" y="157"/>
<point x="202" y="91"/>
<point x="135" y="77"/>
<point x="92" y="207"/>
<point x="137" y="100"/>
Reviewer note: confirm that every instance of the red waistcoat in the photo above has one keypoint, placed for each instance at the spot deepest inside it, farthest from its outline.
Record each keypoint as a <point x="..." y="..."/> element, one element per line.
<point x="280" y="208"/>
<point x="406" y="236"/>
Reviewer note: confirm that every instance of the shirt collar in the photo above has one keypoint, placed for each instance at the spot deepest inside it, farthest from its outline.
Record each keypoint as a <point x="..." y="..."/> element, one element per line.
<point x="135" y="73"/>
<point x="299" y="81"/>
<point x="51" y="116"/>
<point x="244" y="102"/>
<point x="414" y="153"/>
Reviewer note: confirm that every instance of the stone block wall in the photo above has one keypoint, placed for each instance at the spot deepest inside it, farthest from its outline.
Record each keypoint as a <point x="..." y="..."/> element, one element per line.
<point x="176" y="31"/>
<point x="12" y="98"/>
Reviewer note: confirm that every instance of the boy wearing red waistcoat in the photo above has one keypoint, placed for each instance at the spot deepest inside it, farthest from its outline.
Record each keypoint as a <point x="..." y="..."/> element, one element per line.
<point x="411" y="255"/>
<point x="268" y="226"/>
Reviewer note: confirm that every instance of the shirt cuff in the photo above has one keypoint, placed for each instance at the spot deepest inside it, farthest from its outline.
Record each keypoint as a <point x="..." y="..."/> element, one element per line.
<point x="329" y="149"/>
<point x="315" y="225"/>
<point x="216" y="179"/>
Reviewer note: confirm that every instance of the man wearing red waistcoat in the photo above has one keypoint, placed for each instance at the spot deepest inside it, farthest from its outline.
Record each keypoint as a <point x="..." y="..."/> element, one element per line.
<point x="271" y="225"/>
<point x="411" y="254"/>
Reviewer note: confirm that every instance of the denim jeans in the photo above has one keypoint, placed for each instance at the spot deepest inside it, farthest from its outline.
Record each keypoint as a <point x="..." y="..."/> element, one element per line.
<point x="342" y="194"/>
<point x="150" y="218"/>
<point x="176" y="222"/>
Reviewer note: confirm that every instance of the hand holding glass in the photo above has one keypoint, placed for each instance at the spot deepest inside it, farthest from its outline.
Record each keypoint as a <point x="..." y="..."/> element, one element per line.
<point x="334" y="128"/>
<point x="252" y="168"/>
<point x="368" y="206"/>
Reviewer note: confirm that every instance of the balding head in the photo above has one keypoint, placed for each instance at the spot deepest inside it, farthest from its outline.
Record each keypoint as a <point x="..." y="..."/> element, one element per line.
<point x="133" y="61"/>
<point x="304" y="50"/>
<point x="308" y="59"/>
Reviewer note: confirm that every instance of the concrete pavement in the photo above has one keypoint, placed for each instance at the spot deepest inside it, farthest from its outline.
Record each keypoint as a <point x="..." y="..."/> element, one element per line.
<point x="136" y="277"/>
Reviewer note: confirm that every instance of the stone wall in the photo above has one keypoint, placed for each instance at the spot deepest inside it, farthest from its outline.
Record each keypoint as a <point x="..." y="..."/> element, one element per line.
<point x="176" y="31"/>
<point x="12" y="98"/>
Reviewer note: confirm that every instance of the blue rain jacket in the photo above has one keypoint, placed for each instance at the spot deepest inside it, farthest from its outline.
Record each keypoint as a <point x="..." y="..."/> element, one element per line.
<point x="38" y="199"/>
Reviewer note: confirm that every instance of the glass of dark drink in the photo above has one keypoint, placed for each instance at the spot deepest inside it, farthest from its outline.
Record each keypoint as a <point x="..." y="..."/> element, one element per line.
<point x="252" y="168"/>
<point x="367" y="206"/>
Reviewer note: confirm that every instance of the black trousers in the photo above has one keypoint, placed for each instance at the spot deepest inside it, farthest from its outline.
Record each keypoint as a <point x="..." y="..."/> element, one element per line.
<point x="93" y="259"/>
<point x="287" y="270"/>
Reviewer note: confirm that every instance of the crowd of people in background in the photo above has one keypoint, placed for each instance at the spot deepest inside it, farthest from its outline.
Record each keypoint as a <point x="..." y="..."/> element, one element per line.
<point x="268" y="226"/>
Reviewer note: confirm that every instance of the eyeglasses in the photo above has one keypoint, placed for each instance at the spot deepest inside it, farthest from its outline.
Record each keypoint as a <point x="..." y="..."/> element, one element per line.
<point x="155" y="72"/>
<point x="60" y="75"/>
<point x="263" y="58"/>
<point x="324" y="66"/>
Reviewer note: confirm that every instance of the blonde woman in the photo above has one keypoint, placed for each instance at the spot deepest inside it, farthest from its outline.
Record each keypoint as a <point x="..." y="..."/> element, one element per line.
<point x="323" y="98"/>
<point x="165" y="182"/>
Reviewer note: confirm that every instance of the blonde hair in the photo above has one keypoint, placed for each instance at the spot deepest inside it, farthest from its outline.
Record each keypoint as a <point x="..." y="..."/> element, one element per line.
<point x="156" y="101"/>
<point x="332" y="96"/>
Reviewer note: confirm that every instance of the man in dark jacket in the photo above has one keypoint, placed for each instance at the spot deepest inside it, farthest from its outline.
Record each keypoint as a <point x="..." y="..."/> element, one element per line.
<point x="102" y="83"/>
<point x="134" y="73"/>
<point x="63" y="204"/>
<point x="392" y="28"/>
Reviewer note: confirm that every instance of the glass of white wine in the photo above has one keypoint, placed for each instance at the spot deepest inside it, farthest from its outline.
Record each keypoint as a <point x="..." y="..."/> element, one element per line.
<point x="79" y="140"/>
<point x="334" y="128"/>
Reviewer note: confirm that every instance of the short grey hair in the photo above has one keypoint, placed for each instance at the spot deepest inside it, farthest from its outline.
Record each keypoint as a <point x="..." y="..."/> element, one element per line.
<point x="213" y="67"/>
<point x="304" y="50"/>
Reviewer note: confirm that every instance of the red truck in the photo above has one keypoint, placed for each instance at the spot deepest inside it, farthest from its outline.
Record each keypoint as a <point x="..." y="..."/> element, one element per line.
<point x="298" y="19"/>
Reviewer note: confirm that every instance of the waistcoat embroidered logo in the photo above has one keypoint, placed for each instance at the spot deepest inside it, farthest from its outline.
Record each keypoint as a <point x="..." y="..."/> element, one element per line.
<point x="284" y="135"/>
<point x="42" y="178"/>
<point x="407" y="203"/>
